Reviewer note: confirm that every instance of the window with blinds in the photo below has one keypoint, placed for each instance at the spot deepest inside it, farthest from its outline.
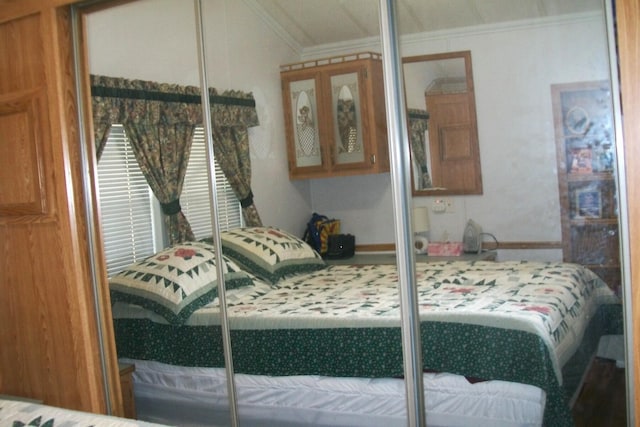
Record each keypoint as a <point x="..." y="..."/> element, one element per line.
<point x="195" y="199"/>
<point x="126" y="204"/>
<point x="131" y="231"/>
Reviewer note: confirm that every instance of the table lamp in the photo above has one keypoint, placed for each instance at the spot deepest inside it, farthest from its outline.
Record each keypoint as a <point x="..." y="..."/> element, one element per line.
<point x="420" y="223"/>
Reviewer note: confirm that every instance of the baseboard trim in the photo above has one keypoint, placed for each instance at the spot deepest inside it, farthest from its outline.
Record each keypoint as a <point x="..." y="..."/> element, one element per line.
<point x="386" y="247"/>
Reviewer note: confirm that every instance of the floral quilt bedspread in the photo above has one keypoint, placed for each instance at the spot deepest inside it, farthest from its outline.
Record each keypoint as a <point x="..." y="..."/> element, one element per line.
<point x="553" y="300"/>
<point x="19" y="413"/>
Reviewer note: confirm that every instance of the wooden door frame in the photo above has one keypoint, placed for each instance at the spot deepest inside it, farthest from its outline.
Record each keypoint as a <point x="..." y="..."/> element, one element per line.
<point x="628" y="38"/>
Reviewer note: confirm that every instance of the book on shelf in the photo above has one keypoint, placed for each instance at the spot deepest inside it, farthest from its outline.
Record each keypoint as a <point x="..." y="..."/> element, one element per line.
<point x="588" y="203"/>
<point x="581" y="161"/>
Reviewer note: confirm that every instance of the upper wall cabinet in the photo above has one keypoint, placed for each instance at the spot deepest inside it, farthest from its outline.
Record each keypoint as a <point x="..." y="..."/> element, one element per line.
<point x="335" y="116"/>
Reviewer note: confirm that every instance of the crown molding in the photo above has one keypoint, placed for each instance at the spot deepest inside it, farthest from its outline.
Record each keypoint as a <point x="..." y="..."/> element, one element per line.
<point x="372" y="44"/>
<point x="262" y="13"/>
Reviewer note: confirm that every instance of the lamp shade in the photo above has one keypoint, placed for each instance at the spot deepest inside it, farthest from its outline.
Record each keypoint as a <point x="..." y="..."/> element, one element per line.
<point x="420" y="219"/>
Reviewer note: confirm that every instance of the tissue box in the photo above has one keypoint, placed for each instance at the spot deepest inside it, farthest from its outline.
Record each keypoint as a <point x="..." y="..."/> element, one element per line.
<point x="444" y="249"/>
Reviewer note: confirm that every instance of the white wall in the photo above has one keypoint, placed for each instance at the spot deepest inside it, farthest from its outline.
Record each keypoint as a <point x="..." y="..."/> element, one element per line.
<point x="513" y="69"/>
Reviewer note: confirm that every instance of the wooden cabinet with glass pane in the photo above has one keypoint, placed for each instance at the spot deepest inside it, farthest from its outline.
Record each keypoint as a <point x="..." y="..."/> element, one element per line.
<point x="335" y="116"/>
<point x="585" y="151"/>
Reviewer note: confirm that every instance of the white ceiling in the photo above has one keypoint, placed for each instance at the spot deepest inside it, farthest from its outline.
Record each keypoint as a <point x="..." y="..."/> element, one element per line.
<point x="318" y="22"/>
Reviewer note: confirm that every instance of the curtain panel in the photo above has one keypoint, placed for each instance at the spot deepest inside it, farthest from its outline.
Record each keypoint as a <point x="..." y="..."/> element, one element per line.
<point x="418" y="120"/>
<point x="160" y="119"/>
<point x="230" y="123"/>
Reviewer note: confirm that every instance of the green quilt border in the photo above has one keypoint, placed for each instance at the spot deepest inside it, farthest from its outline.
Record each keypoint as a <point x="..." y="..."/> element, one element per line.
<point x="180" y="317"/>
<point x="372" y="352"/>
<point x="274" y="273"/>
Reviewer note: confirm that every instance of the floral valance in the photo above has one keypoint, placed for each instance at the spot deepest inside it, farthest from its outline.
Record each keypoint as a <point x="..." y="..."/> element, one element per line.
<point x="418" y="118"/>
<point x="233" y="108"/>
<point x="116" y="100"/>
<point x="159" y="119"/>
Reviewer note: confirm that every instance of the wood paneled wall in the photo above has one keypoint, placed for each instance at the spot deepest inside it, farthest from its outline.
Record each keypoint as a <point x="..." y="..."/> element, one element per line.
<point x="49" y="339"/>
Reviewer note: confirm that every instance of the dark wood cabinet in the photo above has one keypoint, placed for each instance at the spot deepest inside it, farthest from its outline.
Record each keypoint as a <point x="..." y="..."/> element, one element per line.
<point x="585" y="142"/>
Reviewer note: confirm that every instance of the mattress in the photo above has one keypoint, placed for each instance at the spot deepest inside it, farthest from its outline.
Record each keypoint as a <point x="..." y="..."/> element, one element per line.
<point x="197" y="396"/>
<point x="26" y="413"/>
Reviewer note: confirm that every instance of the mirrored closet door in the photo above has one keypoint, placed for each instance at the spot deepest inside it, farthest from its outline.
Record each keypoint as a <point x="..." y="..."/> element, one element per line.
<point x="298" y="125"/>
<point x="152" y="178"/>
<point x="537" y="108"/>
<point x="243" y="56"/>
<point x="320" y="117"/>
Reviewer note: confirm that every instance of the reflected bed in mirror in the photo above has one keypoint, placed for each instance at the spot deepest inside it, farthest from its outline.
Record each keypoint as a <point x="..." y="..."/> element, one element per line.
<point x="443" y="131"/>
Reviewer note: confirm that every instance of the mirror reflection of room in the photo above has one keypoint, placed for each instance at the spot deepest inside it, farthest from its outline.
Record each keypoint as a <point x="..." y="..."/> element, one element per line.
<point x="306" y="114"/>
<point x="443" y="133"/>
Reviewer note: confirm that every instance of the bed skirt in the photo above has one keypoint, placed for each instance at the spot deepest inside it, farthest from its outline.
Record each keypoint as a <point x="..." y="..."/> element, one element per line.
<point x="197" y="396"/>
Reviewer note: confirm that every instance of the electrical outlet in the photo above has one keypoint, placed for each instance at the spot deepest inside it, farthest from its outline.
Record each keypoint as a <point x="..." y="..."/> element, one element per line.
<point x="439" y="206"/>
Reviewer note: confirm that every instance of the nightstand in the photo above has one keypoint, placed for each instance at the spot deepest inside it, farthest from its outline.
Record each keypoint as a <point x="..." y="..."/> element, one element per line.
<point x="126" y="385"/>
<point x="390" y="258"/>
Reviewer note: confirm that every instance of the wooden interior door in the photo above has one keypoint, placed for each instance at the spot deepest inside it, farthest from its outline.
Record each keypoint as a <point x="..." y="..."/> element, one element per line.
<point x="453" y="143"/>
<point x="49" y="340"/>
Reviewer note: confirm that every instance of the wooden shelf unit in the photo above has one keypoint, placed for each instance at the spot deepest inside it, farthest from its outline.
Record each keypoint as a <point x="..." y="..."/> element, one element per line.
<point x="585" y="143"/>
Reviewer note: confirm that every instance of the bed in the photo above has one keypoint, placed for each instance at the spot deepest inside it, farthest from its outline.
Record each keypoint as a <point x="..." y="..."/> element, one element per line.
<point x="18" y="412"/>
<point x="528" y="323"/>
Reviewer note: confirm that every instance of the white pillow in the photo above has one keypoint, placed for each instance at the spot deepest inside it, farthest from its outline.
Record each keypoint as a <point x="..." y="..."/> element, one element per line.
<point x="176" y="281"/>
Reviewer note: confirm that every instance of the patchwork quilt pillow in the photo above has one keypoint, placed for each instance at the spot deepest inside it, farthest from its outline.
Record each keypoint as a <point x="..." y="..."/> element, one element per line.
<point x="176" y="281"/>
<point x="270" y="253"/>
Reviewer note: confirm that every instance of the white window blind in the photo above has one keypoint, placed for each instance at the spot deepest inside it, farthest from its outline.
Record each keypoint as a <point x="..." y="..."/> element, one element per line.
<point x="195" y="200"/>
<point x="127" y="203"/>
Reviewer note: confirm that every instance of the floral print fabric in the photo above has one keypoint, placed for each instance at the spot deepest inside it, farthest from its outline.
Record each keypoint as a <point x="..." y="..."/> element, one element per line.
<point x="160" y="119"/>
<point x="554" y="301"/>
<point x="418" y="120"/>
<point x="18" y="414"/>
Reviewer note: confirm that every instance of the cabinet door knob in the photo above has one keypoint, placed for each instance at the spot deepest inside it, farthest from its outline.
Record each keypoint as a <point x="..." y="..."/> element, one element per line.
<point x="373" y="159"/>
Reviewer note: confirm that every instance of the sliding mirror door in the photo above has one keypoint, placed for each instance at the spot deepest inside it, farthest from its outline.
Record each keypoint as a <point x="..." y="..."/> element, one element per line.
<point x="545" y="112"/>
<point x="312" y="331"/>
<point x="152" y="46"/>
<point x="152" y="178"/>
